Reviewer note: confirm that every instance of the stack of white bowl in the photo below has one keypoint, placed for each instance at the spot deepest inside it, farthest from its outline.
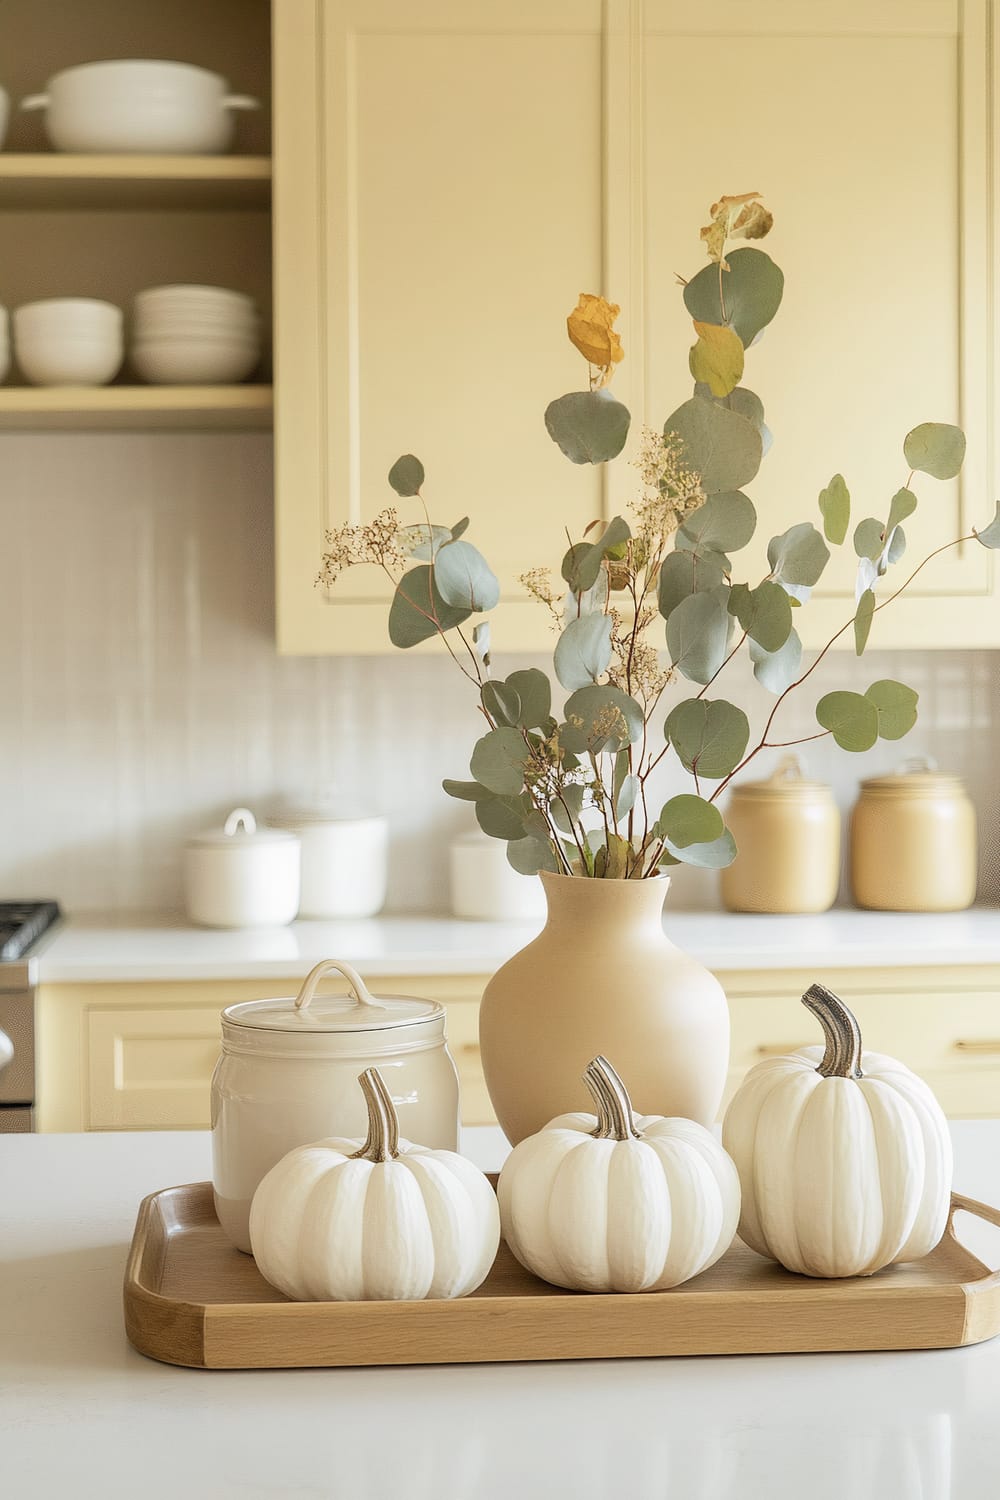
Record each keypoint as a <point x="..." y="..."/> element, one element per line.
<point x="69" y="341"/>
<point x="195" y="335"/>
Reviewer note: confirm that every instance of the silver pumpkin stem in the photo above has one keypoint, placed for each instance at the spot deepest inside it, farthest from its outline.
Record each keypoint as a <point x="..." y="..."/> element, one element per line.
<point x="842" y="1058"/>
<point x="382" y="1143"/>
<point x="615" y="1120"/>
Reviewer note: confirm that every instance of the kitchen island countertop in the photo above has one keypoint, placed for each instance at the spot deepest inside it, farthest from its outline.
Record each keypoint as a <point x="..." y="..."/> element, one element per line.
<point x="163" y="946"/>
<point x="82" y="1414"/>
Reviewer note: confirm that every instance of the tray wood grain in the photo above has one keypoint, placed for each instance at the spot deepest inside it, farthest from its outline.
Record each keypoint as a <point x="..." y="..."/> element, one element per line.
<point x="191" y="1299"/>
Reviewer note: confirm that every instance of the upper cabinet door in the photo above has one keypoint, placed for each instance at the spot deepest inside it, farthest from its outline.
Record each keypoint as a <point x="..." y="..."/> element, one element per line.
<point x="865" y="126"/>
<point x="438" y="208"/>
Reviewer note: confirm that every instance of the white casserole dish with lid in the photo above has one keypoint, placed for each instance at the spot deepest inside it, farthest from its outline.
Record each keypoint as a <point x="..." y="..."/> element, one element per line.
<point x="240" y="875"/>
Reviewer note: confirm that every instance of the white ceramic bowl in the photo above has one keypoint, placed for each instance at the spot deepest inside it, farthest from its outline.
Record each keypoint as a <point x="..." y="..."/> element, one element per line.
<point x="191" y="295"/>
<point x="57" y="315"/>
<point x="183" y="328"/>
<point x="64" y="359"/>
<point x="195" y="362"/>
<point x="139" y="105"/>
<point x="344" y="862"/>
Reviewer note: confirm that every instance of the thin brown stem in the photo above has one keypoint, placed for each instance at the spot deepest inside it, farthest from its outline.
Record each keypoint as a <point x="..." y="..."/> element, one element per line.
<point x="722" y="666"/>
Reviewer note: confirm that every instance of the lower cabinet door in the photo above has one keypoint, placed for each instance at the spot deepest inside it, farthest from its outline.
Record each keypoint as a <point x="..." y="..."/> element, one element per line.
<point x="151" y="1069"/>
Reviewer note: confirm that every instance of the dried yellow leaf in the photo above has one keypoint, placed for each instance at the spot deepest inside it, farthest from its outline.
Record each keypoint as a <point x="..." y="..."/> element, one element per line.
<point x="717" y="358"/>
<point x="591" y="330"/>
<point x="738" y="216"/>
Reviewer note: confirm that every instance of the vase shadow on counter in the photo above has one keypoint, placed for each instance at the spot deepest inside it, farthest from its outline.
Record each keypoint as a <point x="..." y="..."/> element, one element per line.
<point x="191" y="1299"/>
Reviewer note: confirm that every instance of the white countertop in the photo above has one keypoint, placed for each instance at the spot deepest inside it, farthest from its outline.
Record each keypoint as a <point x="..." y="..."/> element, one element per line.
<point x="161" y="946"/>
<point x="83" y="1415"/>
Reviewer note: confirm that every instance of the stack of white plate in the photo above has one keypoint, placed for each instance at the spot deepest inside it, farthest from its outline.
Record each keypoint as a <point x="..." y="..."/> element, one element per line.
<point x="69" y="341"/>
<point x="195" y="335"/>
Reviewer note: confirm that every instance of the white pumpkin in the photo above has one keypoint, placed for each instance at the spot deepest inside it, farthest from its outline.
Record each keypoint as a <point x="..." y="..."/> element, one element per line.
<point x="618" y="1203"/>
<point x="382" y="1220"/>
<point x="844" y="1157"/>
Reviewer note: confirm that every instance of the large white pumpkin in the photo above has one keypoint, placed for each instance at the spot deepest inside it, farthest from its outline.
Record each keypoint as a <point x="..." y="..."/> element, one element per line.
<point x="844" y="1157"/>
<point x="350" y="1221"/>
<point x="615" y="1203"/>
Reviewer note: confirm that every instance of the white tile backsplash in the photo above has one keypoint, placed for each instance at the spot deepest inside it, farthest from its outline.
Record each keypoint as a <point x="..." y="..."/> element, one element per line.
<point x="143" y="697"/>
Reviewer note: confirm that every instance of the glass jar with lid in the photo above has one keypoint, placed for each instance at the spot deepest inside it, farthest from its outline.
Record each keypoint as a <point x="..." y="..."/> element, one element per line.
<point x="288" y="1075"/>
<point x="787" y="831"/>
<point x="913" y="841"/>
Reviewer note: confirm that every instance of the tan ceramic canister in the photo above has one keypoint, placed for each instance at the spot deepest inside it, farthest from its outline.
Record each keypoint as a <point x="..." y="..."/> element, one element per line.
<point x="288" y="1075"/>
<point x="787" y="831"/>
<point x="913" y="842"/>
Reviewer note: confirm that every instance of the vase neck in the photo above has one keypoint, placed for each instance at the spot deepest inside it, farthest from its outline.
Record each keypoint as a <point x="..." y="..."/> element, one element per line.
<point x="633" y="906"/>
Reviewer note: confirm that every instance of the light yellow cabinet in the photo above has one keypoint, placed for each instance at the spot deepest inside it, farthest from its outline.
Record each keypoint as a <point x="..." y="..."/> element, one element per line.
<point x="140" y="1056"/>
<point x="449" y="176"/>
<point x="437" y="209"/>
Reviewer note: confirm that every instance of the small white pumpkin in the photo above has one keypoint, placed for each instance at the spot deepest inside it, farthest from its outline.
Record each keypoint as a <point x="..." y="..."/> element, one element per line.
<point x="618" y="1203"/>
<point x="844" y="1157"/>
<point x="382" y="1220"/>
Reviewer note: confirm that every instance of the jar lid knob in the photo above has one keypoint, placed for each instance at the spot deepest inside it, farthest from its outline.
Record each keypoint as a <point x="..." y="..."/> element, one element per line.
<point x="789" y="768"/>
<point x="240" y="817"/>
<point x="362" y="994"/>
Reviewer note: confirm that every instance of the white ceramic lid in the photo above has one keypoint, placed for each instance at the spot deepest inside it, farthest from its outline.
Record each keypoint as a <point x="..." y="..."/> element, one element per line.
<point x="239" y="830"/>
<point x="359" y="1011"/>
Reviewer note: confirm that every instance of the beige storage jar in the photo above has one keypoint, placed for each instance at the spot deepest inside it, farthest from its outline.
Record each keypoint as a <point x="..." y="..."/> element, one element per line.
<point x="787" y="831"/>
<point x="913" y="842"/>
<point x="288" y="1075"/>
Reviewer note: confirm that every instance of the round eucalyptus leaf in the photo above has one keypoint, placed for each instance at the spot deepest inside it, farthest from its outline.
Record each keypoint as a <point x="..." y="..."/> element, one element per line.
<point x="565" y="809"/>
<point x="481" y="641"/>
<point x="500" y="817"/>
<point x="590" y="427"/>
<point x="765" y="613"/>
<point x="698" y="634"/>
<point x="687" y="820"/>
<point x="685" y="573"/>
<point x="459" y="528"/>
<point x="498" y="761"/>
<point x="777" y="670"/>
<point x="715" y="855"/>
<point x="935" y="448"/>
<point x="863" y="617"/>
<point x="465" y="791"/>
<point x="851" y="719"/>
<point x="583" y="651"/>
<point x="798" y="555"/>
<point x="600" y="718"/>
<point x="869" y="539"/>
<point x="407" y="475"/>
<point x="709" y="737"/>
<point x="464" y="578"/>
<point x="896" y="545"/>
<point x="835" y="508"/>
<point x="571" y="562"/>
<point x="626" y="797"/>
<point x="581" y="565"/>
<point x="418" y="611"/>
<point x="719" y="445"/>
<point x="725" y="523"/>
<point x="990" y="535"/>
<point x="534" y="695"/>
<point x="903" y="504"/>
<point x="751" y="291"/>
<point x="528" y="856"/>
<point x="501" y="702"/>
<point x="896" y="707"/>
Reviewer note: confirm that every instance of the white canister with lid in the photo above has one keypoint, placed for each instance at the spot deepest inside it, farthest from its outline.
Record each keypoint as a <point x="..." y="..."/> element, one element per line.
<point x="241" y="875"/>
<point x="288" y="1075"/>
<point x="344" y="859"/>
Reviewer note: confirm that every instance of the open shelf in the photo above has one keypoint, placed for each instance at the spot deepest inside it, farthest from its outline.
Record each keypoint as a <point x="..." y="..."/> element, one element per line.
<point x="143" y="407"/>
<point x="51" y="180"/>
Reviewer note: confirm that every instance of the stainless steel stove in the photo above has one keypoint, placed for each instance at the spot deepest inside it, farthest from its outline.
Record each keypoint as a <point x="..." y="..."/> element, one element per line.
<point x="22" y="923"/>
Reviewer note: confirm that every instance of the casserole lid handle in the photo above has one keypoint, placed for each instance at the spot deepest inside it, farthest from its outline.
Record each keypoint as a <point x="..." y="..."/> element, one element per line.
<point x="362" y="994"/>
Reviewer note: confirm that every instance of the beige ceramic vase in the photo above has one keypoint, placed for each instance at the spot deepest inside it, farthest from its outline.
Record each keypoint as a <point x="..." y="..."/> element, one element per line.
<point x="602" y="979"/>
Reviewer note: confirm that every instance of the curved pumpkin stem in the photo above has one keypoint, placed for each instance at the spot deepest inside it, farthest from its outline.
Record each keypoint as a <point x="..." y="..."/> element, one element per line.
<point x="382" y="1143"/>
<point x="842" y="1058"/>
<point x="615" y="1120"/>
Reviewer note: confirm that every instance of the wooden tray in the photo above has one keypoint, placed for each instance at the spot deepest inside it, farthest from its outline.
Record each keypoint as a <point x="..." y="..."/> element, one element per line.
<point x="191" y="1299"/>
